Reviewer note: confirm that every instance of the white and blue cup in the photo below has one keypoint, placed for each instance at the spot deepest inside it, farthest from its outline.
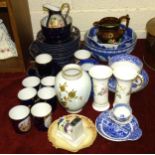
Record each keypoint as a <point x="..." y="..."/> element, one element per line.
<point x="87" y="64"/>
<point x="48" y="81"/>
<point x="81" y="54"/>
<point x="122" y="113"/>
<point x="20" y="118"/>
<point x="31" y="81"/>
<point x="27" y="96"/>
<point x="128" y="61"/>
<point x="48" y="94"/>
<point x="44" y="63"/>
<point x="42" y="115"/>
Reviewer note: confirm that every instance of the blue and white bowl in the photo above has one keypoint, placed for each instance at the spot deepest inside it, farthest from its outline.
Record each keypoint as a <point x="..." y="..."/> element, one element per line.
<point x="124" y="59"/>
<point x="127" y="39"/>
<point x="105" y="51"/>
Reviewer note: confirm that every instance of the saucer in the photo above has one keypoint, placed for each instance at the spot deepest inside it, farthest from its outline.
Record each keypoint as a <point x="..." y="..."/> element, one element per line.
<point x="135" y="87"/>
<point x="110" y="130"/>
<point x="62" y="143"/>
<point x="135" y="135"/>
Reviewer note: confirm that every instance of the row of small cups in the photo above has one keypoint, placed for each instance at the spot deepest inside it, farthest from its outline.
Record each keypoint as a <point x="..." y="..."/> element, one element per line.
<point x="34" y="81"/>
<point x="38" y="90"/>
<point x="37" y="96"/>
<point x="20" y="116"/>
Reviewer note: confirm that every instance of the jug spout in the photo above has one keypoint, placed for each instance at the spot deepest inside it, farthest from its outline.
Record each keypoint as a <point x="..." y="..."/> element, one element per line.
<point x="51" y="8"/>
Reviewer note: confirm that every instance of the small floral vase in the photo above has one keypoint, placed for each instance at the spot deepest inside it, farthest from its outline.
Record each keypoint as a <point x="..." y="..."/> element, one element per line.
<point x="125" y="77"/>
<point x="73" y="87"/>
<point x="100" y="75"/>
<point x="7" y="46"/>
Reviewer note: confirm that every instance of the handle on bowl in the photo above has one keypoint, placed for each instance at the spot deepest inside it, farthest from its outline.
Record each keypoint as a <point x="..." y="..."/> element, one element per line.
<point x="127" y="19"/>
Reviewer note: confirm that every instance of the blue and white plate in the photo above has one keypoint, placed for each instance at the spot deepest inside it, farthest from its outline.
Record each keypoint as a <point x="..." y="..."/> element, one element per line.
<point x="135" y="88"/>
<point x="136" y="134"/>
<point x="113" y="131"/>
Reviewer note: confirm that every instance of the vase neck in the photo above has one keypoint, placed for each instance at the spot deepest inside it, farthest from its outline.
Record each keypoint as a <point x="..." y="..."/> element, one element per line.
<point x="72" y="72"/>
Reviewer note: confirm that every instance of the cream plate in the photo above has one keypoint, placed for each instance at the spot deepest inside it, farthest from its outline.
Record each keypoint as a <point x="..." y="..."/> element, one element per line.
<point x="58" y="142"/>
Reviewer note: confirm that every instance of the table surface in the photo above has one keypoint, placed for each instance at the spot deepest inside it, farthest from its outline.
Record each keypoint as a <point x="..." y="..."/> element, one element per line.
<point x="142" y="104"/>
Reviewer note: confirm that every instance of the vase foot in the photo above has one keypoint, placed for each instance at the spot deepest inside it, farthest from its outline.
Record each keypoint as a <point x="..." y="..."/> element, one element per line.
<point x="97" y="107"/>
<point x="74" y="112"/>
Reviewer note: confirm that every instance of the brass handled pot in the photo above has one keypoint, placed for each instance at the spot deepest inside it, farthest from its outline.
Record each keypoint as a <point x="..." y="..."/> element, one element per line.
<point x="109" y="30"/>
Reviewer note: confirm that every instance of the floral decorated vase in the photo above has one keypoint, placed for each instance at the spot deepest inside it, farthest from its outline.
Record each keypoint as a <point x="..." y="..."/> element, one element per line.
<point x="73" y="87"/>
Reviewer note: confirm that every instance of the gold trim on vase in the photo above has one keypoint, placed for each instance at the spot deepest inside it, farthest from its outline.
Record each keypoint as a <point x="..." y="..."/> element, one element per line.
<point x="72" y="76"/>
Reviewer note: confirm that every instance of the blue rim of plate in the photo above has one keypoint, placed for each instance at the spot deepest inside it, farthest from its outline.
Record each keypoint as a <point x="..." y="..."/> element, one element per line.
<point x="112" y="83"/>
<point x="92" y="47"/>
<point x="131" y="136"/>
<point x="135" y="135"/>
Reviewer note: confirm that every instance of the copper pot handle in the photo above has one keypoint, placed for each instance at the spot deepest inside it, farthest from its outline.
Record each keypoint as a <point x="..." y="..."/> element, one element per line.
<point x="127" y="18"/>
<point x="96" y="23"/>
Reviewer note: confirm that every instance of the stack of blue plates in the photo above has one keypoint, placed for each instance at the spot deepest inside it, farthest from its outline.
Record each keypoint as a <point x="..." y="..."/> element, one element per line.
<point x="62" y="53"/>
<point x="104" y="51"/>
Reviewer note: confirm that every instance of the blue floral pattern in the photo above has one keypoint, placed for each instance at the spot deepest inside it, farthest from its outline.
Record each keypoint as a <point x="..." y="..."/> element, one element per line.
<point x="111" y="130"/>
<point x="126" y="45"/>
<point x="126" y="57"/>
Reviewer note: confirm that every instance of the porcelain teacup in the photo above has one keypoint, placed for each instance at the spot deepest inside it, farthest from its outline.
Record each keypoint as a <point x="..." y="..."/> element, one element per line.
<point x="42" y="115"/>
<point x="81" y="54"/>
<point x="128" y="61"/>
<point x="48" y="81"/>
<point x="121" y="113"/>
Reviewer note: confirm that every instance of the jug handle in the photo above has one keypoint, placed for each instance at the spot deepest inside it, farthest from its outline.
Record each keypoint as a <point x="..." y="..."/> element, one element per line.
<point x="96" y="24"/>
<point x="49" y="16"/>
<point x="67" y="7"/>
<point x="127" y="18"/>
